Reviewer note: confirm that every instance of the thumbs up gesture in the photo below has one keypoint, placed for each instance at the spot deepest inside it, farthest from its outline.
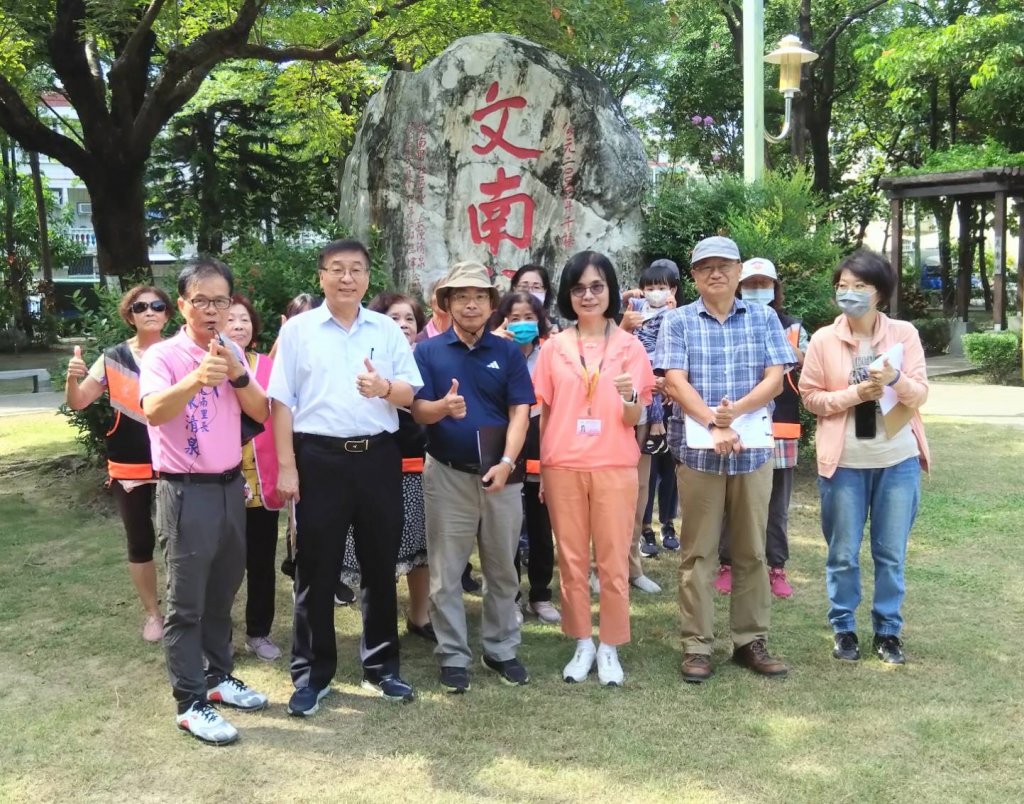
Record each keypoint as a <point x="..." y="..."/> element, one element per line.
<point x="76" y="366"/>
<point x="213" y="369"/>
<point x="370" y="383"/>
<point x="455" y="404"/>
<point x="624" y="383"/>
<point x="502" y="331"/>
<point x="724" y="413"/>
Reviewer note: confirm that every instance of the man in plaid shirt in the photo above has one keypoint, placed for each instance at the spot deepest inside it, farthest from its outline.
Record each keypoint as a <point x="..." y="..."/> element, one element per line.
<point x="721" y="358"/>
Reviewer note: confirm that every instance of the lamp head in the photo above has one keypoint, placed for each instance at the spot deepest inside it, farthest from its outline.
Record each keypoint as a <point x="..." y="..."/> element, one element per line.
<point x="790" y="55"/>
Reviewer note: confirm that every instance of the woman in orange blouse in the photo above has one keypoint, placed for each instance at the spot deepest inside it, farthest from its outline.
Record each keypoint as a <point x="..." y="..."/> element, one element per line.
<point x="592" y="380"/>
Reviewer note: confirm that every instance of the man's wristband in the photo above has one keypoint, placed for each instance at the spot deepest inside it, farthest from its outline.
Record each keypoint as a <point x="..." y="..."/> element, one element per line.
<point x="241" y="382"/>
<point x="385" y="396"/>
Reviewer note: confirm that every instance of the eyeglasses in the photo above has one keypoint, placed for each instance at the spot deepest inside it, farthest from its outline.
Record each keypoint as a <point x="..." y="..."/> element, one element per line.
<point x="202" y="303"/>
<point x="708" y="270"/>
<point x="526" y="287"/>
<point x="355" y="271"/>
<point x="595" y="289"/>
<point x="141" y="306"/>
<point x="466" y="298"/>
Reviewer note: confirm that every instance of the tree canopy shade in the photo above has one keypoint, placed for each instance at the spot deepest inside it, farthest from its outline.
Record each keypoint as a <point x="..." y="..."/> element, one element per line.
<point x="127" y="66"/>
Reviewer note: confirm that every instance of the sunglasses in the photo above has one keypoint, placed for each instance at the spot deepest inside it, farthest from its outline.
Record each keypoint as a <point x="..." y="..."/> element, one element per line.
<point x="141" y="306"/>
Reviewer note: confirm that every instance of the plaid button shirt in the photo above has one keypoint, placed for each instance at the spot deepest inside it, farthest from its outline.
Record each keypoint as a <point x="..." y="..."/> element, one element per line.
<point x="721" y="359"/>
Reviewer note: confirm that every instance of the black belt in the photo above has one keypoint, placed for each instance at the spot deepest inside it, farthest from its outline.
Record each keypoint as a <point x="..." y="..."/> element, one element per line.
<point x="354" y="444"/>
<point x="468" y="468"/>
<point x="204" y="477"/>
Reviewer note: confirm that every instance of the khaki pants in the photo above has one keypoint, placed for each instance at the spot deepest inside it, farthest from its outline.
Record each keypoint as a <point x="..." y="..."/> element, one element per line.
<point x="461" y="514"/>
<point x="741" y="502"/>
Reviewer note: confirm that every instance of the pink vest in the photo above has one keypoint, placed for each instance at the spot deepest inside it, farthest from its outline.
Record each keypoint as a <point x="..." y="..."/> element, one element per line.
<point x="263" y="445"/>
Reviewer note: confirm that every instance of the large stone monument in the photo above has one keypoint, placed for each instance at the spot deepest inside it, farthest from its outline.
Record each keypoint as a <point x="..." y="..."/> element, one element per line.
<point x="498" y="151"/>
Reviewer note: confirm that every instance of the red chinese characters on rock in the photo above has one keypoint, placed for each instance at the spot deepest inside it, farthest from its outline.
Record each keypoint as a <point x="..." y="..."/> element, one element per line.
<point x="489" y="220"/>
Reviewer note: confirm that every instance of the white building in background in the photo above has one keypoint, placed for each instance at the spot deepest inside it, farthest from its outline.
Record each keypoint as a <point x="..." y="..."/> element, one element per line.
<point x="69" y="192"/>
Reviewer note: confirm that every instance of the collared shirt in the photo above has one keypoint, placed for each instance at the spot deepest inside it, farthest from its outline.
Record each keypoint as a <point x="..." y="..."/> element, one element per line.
<point x="316" y="366"/>
<point x="206" y="437"/>
<point x="492" y="377"/>
<point x="722" y="359"/>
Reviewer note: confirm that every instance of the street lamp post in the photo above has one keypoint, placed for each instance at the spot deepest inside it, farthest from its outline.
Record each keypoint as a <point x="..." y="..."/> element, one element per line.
<point x="790" y="56"/>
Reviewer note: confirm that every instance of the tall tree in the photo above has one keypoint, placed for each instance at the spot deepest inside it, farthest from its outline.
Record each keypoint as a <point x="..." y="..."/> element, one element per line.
<point x="127" y="67"/>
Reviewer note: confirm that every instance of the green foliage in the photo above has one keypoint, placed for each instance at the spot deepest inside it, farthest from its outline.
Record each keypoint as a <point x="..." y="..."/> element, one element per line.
<point x="966" y="156"/>
<point x="914" y="304"/>
<point x="934" y="334"/>
<point x="779" y="218"/>
<point x="997" y="354"/>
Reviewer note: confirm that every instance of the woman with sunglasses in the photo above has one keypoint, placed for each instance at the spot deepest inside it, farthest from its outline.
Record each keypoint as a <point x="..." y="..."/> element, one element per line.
<point x="146" y="310"/>
<point x="591" y="382"/>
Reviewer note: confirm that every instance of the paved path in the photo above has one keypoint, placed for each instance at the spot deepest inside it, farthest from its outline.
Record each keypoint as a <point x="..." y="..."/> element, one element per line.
<point x="986" y="404"/>
<point x="946" y="365"/>
<point x="18" y="404"/>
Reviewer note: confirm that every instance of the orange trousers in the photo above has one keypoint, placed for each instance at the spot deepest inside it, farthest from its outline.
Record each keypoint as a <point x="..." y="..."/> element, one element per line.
<point x="599" y="504"/>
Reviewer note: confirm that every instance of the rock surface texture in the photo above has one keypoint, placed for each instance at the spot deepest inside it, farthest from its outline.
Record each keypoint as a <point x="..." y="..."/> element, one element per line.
<point x="498" y="151"/>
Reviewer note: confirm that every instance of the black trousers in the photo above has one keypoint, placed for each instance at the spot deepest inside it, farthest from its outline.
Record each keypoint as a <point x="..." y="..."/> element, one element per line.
<point x="136" y="510"/>
<point x="338" y="489"/>
<point x="260" y="551"/>
<point x="541" y="568"/>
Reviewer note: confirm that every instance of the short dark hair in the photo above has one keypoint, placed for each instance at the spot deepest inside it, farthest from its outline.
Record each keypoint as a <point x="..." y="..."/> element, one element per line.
<point x="302" y="303"/>
<point x="510" y="300"/>
<point x="124" y="309"/>
<point x="383" y="302"/>
<point x="203" y="268"/>
<point x="660" y="272"/>
<point x="870" y="267"/>
<point x="541" y="271"/>
<point x="337" y="246"/>
<point x="257" y="323"/>
<point x="571" y="273"/>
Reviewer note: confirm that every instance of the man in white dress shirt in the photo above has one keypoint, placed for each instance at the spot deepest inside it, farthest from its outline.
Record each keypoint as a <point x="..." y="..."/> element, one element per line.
<point x="340" y="373"/>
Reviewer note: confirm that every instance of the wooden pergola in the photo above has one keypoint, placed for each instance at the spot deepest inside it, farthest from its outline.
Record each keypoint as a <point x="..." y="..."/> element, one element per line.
<point x="983" y="184"/>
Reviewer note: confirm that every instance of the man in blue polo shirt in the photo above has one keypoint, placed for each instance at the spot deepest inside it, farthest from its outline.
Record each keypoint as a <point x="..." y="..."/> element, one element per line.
<point x="471" y="380"/>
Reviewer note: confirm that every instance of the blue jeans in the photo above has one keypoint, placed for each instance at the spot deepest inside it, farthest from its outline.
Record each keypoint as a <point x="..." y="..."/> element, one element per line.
<point x="890" y="496"/>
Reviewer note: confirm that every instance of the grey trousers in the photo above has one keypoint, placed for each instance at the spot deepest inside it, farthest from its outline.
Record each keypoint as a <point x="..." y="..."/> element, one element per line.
<point x="461" y="514"/>
<point x="201" y="529"/>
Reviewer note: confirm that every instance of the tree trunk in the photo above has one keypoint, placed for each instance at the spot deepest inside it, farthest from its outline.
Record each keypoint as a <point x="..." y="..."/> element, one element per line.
<point x="965" y="217"/>
<point x="943" y="211"/>
<point x="818" y="123"/>
<point x="17" y="275"/>
<point x="119" y="221"/>
<point x="210" y="234"/>
<point x="986" y="288"/>
<point x="45" y="261"/>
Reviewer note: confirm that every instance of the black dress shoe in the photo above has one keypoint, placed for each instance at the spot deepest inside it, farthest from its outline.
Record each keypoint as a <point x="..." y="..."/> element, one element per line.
<point x="469" y="583"/>
<point x="390" y="686"/>
<point x="343" y="595"/>
<point x="426" y="631"/>
<point x="889" y="649"/>
<point x="846" y="647"/>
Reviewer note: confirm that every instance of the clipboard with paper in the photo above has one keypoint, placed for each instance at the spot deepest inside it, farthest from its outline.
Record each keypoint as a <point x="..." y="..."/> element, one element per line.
<point x="754" y="430"/>
<point x="895" y="414"/>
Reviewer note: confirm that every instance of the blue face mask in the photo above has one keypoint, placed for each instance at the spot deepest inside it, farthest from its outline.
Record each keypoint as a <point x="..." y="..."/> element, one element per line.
<point x="855" y="303"/>
<point x="524" y="332"/>
<point x="758" y="295"/>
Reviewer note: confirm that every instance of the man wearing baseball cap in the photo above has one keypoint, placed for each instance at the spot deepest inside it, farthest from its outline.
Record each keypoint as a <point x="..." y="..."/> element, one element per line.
<point x="474" y="384"/>
<point x="722" y="357"/>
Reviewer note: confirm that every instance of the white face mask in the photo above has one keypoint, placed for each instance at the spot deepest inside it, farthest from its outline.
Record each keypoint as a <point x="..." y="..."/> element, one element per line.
<point x="758" y="295"/>
<point x="656" y="298"/>
<point x="539" y="295"/>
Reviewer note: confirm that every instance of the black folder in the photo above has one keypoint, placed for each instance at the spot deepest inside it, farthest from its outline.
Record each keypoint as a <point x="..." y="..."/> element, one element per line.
<point x="490" y="443"/>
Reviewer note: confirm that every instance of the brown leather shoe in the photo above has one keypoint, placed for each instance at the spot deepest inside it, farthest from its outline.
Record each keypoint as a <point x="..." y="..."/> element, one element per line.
<point x="755" y="656"/>
<point x="696" y="668"/>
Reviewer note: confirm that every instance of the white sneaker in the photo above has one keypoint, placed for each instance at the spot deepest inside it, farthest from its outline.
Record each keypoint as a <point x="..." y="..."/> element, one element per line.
<point x="263" y="647"/>
<point x="609" y="671"/>
<point x="578" y="669"/>
<point x="204" y="723"/>
<point x="645" y="584"/>
<point x="519" y="616"/>
<point x="544" y="611"/>
<point x="233" y="692"/>
<point x="595" y="584"/>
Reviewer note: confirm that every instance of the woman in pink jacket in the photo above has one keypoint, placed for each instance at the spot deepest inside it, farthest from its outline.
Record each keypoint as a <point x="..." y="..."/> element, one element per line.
<point x="869" y="464"/>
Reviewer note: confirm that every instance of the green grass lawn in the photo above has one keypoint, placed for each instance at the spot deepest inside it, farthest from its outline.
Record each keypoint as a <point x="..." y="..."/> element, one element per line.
<point x="86" y="711"/>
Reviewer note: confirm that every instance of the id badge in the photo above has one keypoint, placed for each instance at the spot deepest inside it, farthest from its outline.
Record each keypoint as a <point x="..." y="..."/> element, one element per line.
<point x="588" y="427"/>
<point x="247" y="491"/>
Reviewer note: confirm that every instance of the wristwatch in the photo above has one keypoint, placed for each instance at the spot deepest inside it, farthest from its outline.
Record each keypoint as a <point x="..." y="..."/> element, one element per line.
<point x="631" y="401"/>
<point x="241" y="382"/>
<point x="509" y="461"/>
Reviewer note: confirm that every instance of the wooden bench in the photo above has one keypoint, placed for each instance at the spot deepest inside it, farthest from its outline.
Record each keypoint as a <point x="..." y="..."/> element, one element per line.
<point x="20" y="374"/>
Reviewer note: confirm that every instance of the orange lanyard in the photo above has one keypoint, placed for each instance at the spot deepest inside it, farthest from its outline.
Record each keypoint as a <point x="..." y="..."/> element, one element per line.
<point x="590" y="380"/>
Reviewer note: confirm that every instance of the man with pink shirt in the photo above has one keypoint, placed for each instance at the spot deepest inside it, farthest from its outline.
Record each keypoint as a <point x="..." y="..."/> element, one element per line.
<point x="194" y="388"/>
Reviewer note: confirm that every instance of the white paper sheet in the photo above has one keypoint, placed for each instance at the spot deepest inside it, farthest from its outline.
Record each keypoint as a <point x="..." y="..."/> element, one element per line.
<point x="894" y="355"/>
<point x="754" y="429"/>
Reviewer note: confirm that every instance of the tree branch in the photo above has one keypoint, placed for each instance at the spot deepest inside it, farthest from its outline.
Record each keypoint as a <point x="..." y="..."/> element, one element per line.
<point x="32" y="135"/>
<point x="67" y="50"/>
<point x="847" y="21"/>
<point x="138" y="36"/>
